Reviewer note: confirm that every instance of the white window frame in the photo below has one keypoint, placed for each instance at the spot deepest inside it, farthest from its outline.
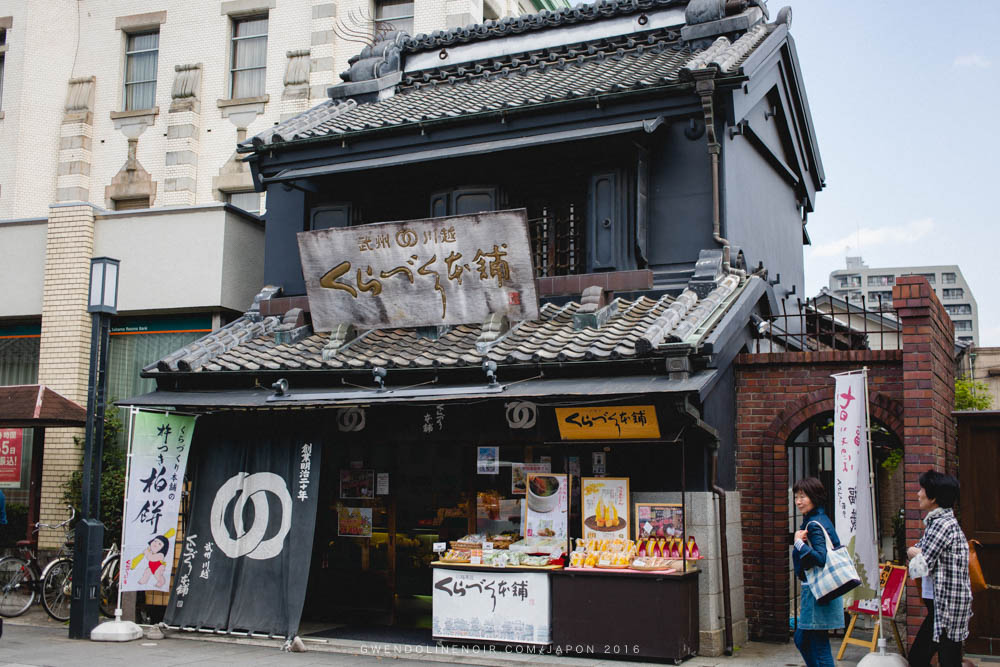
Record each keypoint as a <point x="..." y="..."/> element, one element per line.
<point x="380" y="20"/>
<point x="230" y="195"/>
<point x="233" y="40"/>
<point x="125" y="82"/>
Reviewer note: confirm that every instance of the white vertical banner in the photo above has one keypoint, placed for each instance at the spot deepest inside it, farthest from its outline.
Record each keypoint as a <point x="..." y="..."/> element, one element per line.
<point x="159" y="450"/>
<point x="853" y="510"/>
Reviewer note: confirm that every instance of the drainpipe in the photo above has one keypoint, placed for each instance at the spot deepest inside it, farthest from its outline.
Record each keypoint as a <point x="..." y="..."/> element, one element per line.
<point x="719" y="492"/>
<point x="705" y="88"/>
<point x="727" y="607"/>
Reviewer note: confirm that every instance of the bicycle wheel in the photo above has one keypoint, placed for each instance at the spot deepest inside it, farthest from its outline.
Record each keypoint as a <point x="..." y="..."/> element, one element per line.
<point x="109" y="586"/>
<point x="57" y="585"/>
<point x="17" y="586"/>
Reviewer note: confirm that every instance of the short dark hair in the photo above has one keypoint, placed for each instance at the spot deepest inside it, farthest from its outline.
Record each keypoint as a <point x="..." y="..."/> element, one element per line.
<point x="941" y="488"/>
<point x="166" y="544"/>
<point x="813" y="488"/>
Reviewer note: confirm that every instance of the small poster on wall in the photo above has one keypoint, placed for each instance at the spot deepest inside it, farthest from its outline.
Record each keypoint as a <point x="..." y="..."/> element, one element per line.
<point x="519" y="473"/>
<point x="658" y="520"/>
<point x="354" y="521"/>
<point x="487" y="460"/>
<point x="355" y="484"/>
<point x="11" y="440"/>
<point x="546" y="512"/>
<point x="605" y="507"/>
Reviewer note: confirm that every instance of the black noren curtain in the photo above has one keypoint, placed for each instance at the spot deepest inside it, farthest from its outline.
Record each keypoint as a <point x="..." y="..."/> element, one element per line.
<point x="245" y="558"/>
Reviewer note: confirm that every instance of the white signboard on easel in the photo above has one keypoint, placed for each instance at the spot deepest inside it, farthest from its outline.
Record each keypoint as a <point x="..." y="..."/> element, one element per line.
<point x="503" y="606"/>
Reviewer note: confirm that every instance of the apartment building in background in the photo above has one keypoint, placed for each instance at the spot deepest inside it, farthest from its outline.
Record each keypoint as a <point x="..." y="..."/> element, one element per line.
<point x="860" y="284"/>
<point x="119" y="121"/>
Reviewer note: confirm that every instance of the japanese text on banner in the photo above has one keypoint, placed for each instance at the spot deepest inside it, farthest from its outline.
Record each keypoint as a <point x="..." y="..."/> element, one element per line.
<point x="852" y="502"/>
<point x="160" y="445"/>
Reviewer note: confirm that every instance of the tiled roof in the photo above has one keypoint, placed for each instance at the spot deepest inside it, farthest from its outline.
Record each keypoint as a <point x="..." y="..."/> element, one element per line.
<point x="514" y="25"/>
<point x="644" y="323"/>
<point x="548" y="76"/>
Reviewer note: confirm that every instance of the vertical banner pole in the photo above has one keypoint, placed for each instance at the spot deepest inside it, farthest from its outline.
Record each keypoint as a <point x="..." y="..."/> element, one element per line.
<point x="871" y="493"/>
<point x="132" y="411"/>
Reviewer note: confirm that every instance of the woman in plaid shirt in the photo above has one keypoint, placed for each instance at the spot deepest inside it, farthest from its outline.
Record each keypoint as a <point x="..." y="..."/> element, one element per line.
<point x="945" y="550"/>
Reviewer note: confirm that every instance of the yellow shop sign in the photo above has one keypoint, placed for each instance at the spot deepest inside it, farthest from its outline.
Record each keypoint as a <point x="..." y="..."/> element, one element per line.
<point x="619" y="422"/>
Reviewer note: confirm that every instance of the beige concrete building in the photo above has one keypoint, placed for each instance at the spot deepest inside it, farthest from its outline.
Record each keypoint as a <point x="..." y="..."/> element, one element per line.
<point x="859" y="283"/>
<point x="118" y="122"/>
<point x="982" y="364"/>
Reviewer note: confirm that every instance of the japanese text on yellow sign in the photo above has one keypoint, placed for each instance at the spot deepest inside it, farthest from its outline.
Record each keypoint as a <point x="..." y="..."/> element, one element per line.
<point x="620" y="422"/>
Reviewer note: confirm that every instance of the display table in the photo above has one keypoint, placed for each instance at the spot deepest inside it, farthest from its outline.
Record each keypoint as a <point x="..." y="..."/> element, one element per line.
<point x="504" y="605"/>
<point x="625" y="613"/>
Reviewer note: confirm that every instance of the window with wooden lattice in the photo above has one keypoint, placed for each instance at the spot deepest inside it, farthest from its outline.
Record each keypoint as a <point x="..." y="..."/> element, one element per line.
<point x="556" y="229"/>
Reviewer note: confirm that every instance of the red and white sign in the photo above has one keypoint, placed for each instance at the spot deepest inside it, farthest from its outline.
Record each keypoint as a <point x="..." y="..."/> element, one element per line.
<point x="892" y="581"/>
<point x="11" y="440"/>
<point x="852" y="502"/>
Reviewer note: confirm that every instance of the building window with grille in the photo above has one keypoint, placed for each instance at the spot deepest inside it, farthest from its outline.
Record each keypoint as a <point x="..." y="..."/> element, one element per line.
<point x="949" y="278"/>
<point x="954" y="293"/>
<point x="963" y="325"/>
<point x="878" y="281"/>
<point x="883" y="297"/>
<point x="131" y="204"/>
<point x="141" y="53"/>
<point x="248" y="58"/>
<point x="960" y="309"/>
<point x="393" y="16"/>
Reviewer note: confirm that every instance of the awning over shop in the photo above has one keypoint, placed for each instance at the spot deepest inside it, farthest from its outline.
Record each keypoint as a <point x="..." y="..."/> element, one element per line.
<point x="699" y="382"/>
<point x="31" y="405"/>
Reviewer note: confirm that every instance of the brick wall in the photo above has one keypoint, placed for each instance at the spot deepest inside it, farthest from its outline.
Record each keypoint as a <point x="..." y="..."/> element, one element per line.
<point x="775" y="394"/>
<point x="64" y="353"/>
<point x="910" y="390"/>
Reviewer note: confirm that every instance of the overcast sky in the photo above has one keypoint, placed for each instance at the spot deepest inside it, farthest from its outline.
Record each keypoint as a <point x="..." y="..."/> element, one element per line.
<point x="905" y="98"/>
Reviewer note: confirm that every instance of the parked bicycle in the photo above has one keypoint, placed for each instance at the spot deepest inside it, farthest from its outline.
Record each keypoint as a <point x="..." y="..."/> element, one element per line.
<point x="109" y="581"/>
<point x="22" y="580"/>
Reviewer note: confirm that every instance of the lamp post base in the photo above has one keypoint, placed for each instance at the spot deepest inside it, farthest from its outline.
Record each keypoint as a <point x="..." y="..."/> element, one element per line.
<point x="83" y="611"/>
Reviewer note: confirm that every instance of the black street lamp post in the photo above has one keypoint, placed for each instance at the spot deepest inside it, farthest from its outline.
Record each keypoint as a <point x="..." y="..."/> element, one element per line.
<point x="103" y="303"/>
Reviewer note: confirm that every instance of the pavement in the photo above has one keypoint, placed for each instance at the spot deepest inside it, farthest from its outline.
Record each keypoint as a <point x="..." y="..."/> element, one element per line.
<point x="36" y="640"/>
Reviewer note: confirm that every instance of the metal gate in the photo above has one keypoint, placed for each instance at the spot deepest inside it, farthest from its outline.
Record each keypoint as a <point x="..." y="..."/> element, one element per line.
<point x="810" y="454"/>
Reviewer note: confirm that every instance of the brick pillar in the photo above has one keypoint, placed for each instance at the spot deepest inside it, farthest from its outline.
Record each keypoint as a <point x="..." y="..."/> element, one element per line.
<point x="929" y="439"/>
<point x="64" y="355"/>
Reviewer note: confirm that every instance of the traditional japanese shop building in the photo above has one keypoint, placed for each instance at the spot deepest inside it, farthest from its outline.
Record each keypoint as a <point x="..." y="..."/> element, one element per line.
<point x="635" y="178"/>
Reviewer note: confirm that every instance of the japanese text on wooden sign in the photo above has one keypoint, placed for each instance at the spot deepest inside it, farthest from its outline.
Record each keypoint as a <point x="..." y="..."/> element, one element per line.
<point x="620" y="422"/>
<point x="413" y="273"/>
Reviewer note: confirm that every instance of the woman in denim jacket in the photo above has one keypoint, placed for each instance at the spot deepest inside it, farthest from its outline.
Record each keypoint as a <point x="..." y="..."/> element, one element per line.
<point x="815" y="618"/>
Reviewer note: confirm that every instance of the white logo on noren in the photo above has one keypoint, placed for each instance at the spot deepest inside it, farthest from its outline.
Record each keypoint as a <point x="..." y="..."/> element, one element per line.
<point x="250" y="542"/>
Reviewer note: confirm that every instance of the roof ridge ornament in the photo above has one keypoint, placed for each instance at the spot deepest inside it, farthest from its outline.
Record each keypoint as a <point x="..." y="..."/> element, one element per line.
<point x="594" y="311"/>
<point x="706" y="19"/>
<point x="666" y="322"/>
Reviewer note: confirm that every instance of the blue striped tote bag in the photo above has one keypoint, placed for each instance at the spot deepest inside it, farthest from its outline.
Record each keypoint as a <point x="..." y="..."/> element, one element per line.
<point x="837" y="577"/>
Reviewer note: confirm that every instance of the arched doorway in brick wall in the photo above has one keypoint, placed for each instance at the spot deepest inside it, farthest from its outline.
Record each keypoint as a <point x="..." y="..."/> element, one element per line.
<point x="809" y="451"/>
